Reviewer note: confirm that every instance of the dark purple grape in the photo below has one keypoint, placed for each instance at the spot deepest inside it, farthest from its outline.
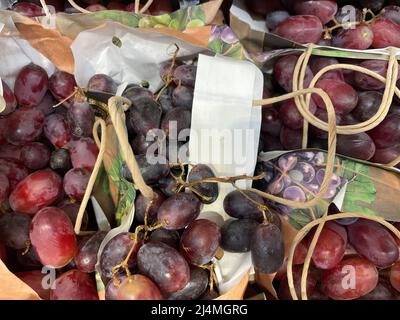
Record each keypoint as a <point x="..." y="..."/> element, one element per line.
<point x="144" y="115"/>
<point x="29" y="260"/>
<point x="236" y="234"/>
<point x="276" y="17"/>
<point x="179" y="210"/>
<point x="290" y="115"/>
<point x="75" y="183"/>
<point x="196" y="286"/>
<point x="102" y="83"/>
<point x="366" y="82"/>
<point x="185" y="75"/>
<point x="141" y="203"/>
<point x="165" y="101"/>
<point x="291" y="139"/>
<point x="164" y="265"/>
<point x="111" y="290"/>
<point x="368" y="105"/>
<point x="168" y="185"/>
<point x="46" y="105"/>
<point x="271" y="122"/>
<point x="182" y="97"/>
<point x="206" y="189"/>
<point x="60" y="161"/>
<point x="359" y="146"/>
<point x="72" y="210"/>
<point x="57" y="130"/>
<point x="35" y="155"/>
<point x="270" y="143"/>
<point x="62" y="86"/>
<point x="115" y="251"/>
<point x="14" y="229"/>
<point x="374" y="5"/>
<point x="387" y="133"/>
<point x="267" y="248"/>
<point x="169" y="237"/>
<point x="151" y="172"/>
<point x="238" y="206"/>
<point x="318" y="63"/>
<point x="323" y="115"/>
<point x="384" y="156"/>
<point x="167" y="70"/>
<point x="136" y="93"/>
<point x="80" y="118"/>
<point x="4" y="188"/>
<point x="176" y="120"/>
<point x="383" y="291"/>
<point x="86" y="256"/>
<point x="24" y="125"/>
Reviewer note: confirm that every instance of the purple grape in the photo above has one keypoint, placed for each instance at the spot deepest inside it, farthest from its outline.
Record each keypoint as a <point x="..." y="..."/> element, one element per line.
<point x="294" y="193"/>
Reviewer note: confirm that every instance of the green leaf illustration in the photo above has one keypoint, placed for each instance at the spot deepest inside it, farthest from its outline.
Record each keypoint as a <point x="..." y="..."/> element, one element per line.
<point x="181" y="19"/>
<point x="216" y="45"/>
<point x="299" y="218"/>
<point x="235" y="51"/>
<point x="197" y="12"/>
<point x="194" y="24"/>
<point x="127" y="18"/>
<point x="146" y="22"/>
<point x="360" y="192"/>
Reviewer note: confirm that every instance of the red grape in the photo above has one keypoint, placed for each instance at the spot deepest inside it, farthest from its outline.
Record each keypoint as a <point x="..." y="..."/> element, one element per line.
<point x="74" y="285"/>
<point x="35" y="155"/>
<point x="11" y="152"/>
<point x="179" y="210"/>
<point x="318" y="63"/>
<point x="350" y="279"/>
<point x="4" y="188"/>
<point x="359" y="146"/>
<point x="14" y="229"/>
<point x="86" y="255"/>
<point x="11" y="101"/>
<point x="368" y="105"/>
<point x="138" y="287"/>
<point x="366" y="82"/>
<point x="386" y="155"/>
<point x="164" y="265"/>
<point x="62" y="85"/>
<point x="387" y="133"/>
<point x="31" y="85"/>
<point x="300" y="29"/>
<point x="200" y="241"/>
<point x="52" y="236"/>
<point x="72" y="210"/>
<point x="291" y="117"/>
<point x="394" y="276"/>
<point x="300" y="252"/>
<point x="14" y="171"/>
<point x="344" y="97"/>
<point x="83" y="153"/>
<point x="359" y="37"/>
<point x="383" y="291"/>
<point x="57" y="130"/>
<point x="271" y="122"/>
<point x="391" y="13"/>
<point x="141" y="204"/>
<point x="324" y="10"/>
<point x="385" y="33"/>
<point x="103" y="83"/>
<point x="113" y="286"/>
<point x="34" y="279"/>
<point x="28" y="9"/>
<point x="374" y="242"/>
<point x="312" y="280"/>
<point x="169" y="237"/>
<point x="283" y="72"/>
<point x="46" y="105"/>
<point x="80" y="118"/>
<point x="75" y="183"/>
<point x="38" y="190"/>
<point x="24" y="125"/>
<point x="196" y="286"/>
<point x="291" y="139"/>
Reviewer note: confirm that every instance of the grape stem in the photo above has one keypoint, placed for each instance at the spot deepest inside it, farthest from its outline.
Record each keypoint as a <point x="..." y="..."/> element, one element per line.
<point x="213" y="277"/>
<point x="170" y="75"/>
<point x="27" y="247"/>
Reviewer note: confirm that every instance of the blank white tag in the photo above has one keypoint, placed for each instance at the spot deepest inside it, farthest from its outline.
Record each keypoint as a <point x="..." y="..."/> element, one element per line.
<point x="224" y="134"/>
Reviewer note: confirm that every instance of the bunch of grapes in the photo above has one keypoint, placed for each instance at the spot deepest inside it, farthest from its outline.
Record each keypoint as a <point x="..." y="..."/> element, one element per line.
<point x="356" y="97"/>
<point x="353" y="259"/>
<point x="359" y="24"/>
<point x="47" y="155"/>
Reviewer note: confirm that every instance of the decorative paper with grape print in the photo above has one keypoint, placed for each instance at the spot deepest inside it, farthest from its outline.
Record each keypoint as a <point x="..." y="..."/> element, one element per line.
<point x="297" y="175"/>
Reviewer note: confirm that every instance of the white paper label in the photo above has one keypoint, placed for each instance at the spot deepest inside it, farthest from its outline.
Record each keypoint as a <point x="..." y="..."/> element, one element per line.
<point x="224" y="134"/>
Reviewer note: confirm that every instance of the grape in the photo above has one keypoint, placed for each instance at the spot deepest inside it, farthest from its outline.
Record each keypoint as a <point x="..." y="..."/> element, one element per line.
<point x="318" y="63"/>
<point x="276" y="17"/>
<point x="14" y="229"/>
<point x="75" y="183"/>
<point x="207" y="189"/>
<point x="387" y="133"/>
<point x="136" y="93"/>
<point x="238" y="206"/>
<point x="138" y="287"/>
<point x="34" y="279"/>
<point x="80" y="118"/>
<point x="386" y="155"/>
<point x="236" y="234"/>
<point x="116" y="250"/>
<point x="271" y="122"/>
<point x="385" y="33"/>
<point x="366" y="82"/>
<point x="291" y="139"/>
<point x="374" y="5"/>
<point x="24" y="125"/>
<point x="348" y="13"/>
<point x="394" y="276"/>
<point x="302" y="172"/>
<point x="35" y="155"/>
<point x="359" y="146"/>
<point x="169" y="237"/>
<point x="52" y="236"/>
<point x="294" y="193"/>
<point x="38" y="190"/>
<point x="60" y="161"/>
<point x="346" y="221"/>
<point x="179" y="210"/>
<point x="11" y="101"/>
<point x="113" y="286"/>
<point x="30" y="85"/>
<point x="140" y="143"/>
<point x="291" y="117"/>
<point x="62" y="85"/>
<point x="14" y="171"/>
<point x="83" y="153"/>
<point x="164" y="265"/>
<point x="300" y="29"/>
<point x="366" y="279"/>
<point x="359" y="37"/>
<point x="72" y="209"/>
<point x="371" y="240"/>
<point x="86" y="255"/>
<point x="165" y="101"/>
<point x="74" y="285"/>
<point x="200" y="241"/>
<point x="330" y="247"/>
<point x="182" y="97"/>
<point x="28" y="260"/>
<point x="267" y="248"/>
<point x="368" y="105"/>
<point x="166" y="70"/>
<point x="96" y="7"/>
<point x="383" y="291"/>
<point x="151" y="173"/>
<point x="4" y="188"/>
<point x="168" y="185"/>
<point x="324" y="10"/>
<point x="57" y="130"/>
<point x="10" y="152"/>
<point x="323" y="115"/>
<point x="312" y="279"/>
<point x="28" y="9"/>
<point x="180" y="118"/>
<point x="102" y="83"/>
<point x="263" y="7"/>
<point x="185" y="75"/>
<point x="141" y="203"/>
<point x="391" y="13"/>
<point x="144" y="115"/>
<point x="46" y="105"/>
<point x="344" y="97"/>
<point x="300" y="252"/>
<point x="196" y="286"/>
<point x="283" y="72"/>
<point x="270" y="143"/>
